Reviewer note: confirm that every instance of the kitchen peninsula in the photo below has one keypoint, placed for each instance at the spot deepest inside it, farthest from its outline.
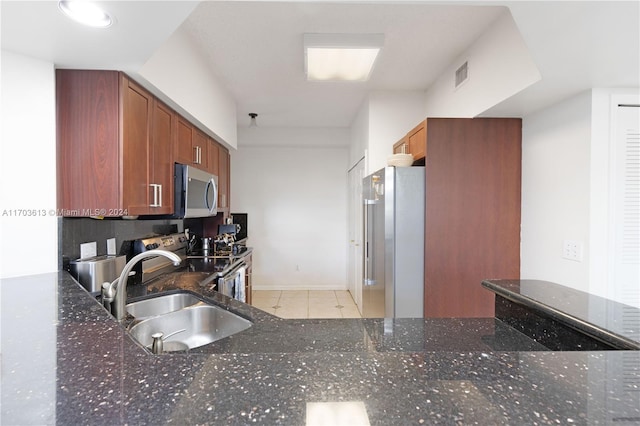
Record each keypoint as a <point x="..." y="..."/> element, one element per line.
<point x="70" y="362"/>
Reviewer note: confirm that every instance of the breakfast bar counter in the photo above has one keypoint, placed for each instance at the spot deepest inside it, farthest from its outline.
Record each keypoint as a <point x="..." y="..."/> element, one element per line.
<point x="66" y="361"/>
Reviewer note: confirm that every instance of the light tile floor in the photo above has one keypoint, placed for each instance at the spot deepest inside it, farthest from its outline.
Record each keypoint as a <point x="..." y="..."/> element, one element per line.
<point x="306" y="303"/>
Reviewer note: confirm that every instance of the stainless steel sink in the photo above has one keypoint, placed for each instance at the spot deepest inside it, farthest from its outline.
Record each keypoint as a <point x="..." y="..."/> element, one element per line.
<point x="189" y="327"/>
<point x="161" y="305"/>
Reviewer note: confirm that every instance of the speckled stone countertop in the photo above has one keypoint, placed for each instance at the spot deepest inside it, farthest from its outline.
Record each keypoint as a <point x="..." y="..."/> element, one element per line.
<point x="66" y="361"/>
<point x="604" y="319"/>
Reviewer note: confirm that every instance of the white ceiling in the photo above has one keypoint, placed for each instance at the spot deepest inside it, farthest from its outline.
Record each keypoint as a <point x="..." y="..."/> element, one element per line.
<point x="255" y="48"/>
<point x="40" y="30"/>
<point x="256" y="51"/>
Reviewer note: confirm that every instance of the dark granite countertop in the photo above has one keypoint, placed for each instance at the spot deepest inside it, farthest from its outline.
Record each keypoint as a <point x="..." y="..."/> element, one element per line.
<point x="605" y="319"/>
<point x="66" y="361"/>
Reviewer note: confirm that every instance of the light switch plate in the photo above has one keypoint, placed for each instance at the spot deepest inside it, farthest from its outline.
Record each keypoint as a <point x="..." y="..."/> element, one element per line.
<point x="88" y="250"/>
<point x="111" y="246"/>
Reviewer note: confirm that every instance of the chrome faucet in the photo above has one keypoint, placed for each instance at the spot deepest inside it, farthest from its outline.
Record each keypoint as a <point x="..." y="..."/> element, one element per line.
<point x="115" y="294"/>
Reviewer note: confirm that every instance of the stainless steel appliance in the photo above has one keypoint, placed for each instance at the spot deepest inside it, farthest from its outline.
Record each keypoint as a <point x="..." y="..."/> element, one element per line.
<point x="224" y="267"/>
<point x="228" y="260"/>
<point x="196" y="192"/>
<point x="394" y="205"/>
<point x="154" y="267"/>
<point x="241" y="219"/>
<point x="94" y="271"/>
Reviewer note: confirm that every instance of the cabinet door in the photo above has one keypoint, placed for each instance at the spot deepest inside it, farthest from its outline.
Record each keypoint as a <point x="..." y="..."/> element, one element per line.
<point x="88" y="149"/>
<point x="402" y="146"/>
<point x="161" y="159"/>
<point x="184" y="135"/>
<point x="214" y="158"/>
<point x="418" y="141"/>
<point x="248" y="287"/>
<point x="136" y="117"/>
<point x="200" y="145"/>
<point x="223" y="180"/>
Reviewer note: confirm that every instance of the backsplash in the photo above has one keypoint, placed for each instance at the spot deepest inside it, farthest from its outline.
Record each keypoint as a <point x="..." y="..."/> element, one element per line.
<point x="75" y="231"/>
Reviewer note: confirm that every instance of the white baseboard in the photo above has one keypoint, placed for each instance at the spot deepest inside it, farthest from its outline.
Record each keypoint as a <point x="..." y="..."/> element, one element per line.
<point x="299" y="287"/>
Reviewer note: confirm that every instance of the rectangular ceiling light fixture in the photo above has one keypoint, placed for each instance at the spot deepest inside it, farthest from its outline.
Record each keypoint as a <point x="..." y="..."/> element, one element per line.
<point x="340" y="57"/>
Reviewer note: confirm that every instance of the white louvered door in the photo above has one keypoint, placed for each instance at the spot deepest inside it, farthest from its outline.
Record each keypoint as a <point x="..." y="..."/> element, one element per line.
<point x="621" y="373"/>
<point x="625" y="212"/>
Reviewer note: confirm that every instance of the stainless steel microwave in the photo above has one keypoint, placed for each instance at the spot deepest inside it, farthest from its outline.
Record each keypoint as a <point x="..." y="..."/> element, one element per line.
<point x="196" y="192"/>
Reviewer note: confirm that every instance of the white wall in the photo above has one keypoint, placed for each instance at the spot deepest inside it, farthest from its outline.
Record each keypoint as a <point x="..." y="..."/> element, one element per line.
<point x="359" y="134"/>
<point x="28" y="167"/>
<point x="293" y="185"/>
<point x="382" y="120"/>
<point x="500" y="66"/>
<point x="391" y="115"/>
<point x="181" y="73"/>
<point x="565" y="191"/>
<point x="555" y="191"/>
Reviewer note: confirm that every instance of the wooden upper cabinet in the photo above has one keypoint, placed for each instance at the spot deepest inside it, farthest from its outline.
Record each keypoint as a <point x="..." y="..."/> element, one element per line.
<point x="183" y="151"/>
<point x="214" y="157"/>
<point x="87" y="138"/>
<point x="414" y="142"/>
<point x="224" y="180"/>
<point x="114" y="146"/>
<point x="402" y="146"/>
<point x="200" y="148"/>
<point x="417" y="140"/>
<point x="163" y="129"/>
<point x="136" y="122"/>
<point x="191" y="145"/>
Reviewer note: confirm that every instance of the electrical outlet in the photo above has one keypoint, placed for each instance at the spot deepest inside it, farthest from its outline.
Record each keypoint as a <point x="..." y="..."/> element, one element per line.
<point x="111" y="246"/>
<point x="572" y="250"/>
<point x="88" y="250"/>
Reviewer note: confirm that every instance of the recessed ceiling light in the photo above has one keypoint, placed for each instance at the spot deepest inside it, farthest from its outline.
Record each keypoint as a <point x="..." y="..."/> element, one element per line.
<point x="86" y="13"/>
<point x="341" y="57"/>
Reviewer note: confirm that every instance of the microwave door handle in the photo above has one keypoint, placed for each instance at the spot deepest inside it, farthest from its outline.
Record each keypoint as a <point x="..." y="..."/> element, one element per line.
<point x="215" y="195"/>
<point x="211" y="208"/>
<point x="206" y="196"/>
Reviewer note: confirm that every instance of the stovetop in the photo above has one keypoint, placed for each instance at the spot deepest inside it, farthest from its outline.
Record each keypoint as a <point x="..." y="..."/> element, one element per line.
<point x="216" y="262"/>
<point x="231" y="251"/>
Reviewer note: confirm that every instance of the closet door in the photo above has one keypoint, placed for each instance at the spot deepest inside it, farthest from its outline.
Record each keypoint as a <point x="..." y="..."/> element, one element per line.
<point x="625" y="211"/>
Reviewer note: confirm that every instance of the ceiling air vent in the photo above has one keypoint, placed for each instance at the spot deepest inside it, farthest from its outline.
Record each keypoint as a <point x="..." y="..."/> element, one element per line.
<point x="462" y="74"/>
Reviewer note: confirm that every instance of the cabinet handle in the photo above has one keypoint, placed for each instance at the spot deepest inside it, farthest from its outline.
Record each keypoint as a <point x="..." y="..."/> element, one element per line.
<point x="157" y="195"/>
<point x="197" y="155"/>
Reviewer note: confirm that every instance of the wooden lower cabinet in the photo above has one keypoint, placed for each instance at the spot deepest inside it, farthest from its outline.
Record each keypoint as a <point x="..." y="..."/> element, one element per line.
<point x="472" y="212"/>
<point x="248" y="288"/>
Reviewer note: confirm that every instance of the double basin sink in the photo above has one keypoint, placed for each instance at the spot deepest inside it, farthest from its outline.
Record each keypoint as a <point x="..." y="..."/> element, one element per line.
<point x="184" y="321"/>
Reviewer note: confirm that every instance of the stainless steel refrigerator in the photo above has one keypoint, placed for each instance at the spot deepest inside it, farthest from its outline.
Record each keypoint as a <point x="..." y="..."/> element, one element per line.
<point x="393" y="207"/>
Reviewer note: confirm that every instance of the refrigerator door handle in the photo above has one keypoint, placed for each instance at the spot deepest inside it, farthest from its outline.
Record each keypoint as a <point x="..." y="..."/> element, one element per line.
<point x="367" y="280"/>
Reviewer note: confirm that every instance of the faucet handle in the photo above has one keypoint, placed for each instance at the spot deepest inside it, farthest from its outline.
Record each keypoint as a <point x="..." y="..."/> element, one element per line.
<point x="108" y="295"/>
<point x="156" y="346"/>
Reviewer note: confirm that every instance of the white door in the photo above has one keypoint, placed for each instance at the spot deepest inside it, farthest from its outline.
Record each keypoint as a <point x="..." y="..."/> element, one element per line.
<point x="356" y="174"/>
<point x="625" y="217"/>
